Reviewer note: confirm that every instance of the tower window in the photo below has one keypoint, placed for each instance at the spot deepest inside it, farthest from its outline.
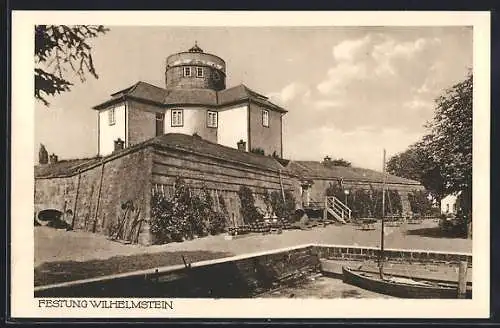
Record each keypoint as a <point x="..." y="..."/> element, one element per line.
<point x="177" y="117"/>
<point x="160" y="117"/>
<point x="265" y="118"/>
<point x="211" y="119"/>
<point x="111" y="116"/>
<point x="187" y="71"/>
<point x="199" y="71"/>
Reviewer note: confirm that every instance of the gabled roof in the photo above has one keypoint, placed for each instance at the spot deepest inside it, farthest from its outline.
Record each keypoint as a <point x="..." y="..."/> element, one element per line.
<point x="142" y="91"/>
<point x="242" y="92"/>
<point x="204" y="147"/>
<point x="313" y="169"/>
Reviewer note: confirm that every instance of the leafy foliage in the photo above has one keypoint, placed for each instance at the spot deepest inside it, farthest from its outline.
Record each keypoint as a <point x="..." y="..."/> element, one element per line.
<point x="283" y="209"/>
<point x="417" y="163"/>
<point x="419" y="202"/>
<point x="248" y="210"/>
<point x="336" y="162"/>
<point x="360" y="202"/>
<point x="442" y="160"/>
<point x="58" y="49"/>
<point x="341" y="162"/>
<point x="185" y="215"/>
<point x="258" y="150"/>
<point x="367" y="203"/>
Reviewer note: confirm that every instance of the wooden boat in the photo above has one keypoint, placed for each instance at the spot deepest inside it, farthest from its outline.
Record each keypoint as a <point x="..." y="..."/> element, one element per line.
<point x="401" y="287"/>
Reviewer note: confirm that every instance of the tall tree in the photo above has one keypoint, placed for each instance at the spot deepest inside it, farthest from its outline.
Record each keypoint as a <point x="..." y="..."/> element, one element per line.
<point x="59" y="49"/>
<point x="417" y="163"/>
<point x="451" y="140"/>
<point x="442" y="160"/>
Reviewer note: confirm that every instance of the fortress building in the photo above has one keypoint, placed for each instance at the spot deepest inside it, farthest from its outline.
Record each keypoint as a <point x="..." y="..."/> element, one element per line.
<point x="195" y="100"/>
<point x="195" y="129"/>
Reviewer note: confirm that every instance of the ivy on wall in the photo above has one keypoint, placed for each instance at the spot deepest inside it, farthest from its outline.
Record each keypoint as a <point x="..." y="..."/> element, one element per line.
<point x="186" y="215"/>
<point x="248" y="210"/>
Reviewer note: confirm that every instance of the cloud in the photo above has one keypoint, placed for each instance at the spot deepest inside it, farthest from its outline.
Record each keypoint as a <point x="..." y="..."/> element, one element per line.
<point x="348" y="50"/>
<point x="391" y="48"/>
<point x="417" y="104"/>
<point x="323" y="104"/>
<point x="341" y="74"/>
<point x="289" y="93"/>
<point x="372" y="57"/>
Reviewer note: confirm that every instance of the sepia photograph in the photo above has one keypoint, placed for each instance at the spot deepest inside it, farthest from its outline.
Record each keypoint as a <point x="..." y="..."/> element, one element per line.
<point x="250" y="161"/>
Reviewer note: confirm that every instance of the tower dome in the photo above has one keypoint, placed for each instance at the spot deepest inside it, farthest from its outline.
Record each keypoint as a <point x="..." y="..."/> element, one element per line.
<point x="195" y="69"/>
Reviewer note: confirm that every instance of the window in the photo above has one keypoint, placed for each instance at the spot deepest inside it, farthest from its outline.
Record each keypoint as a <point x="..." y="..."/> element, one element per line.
<point x="177" y="117"/>
<point x="160" y="117"/>
<point x="211" y="119"/>
<point x="265" y="118"/>
<point x="187" y="71"/>
<point x="111" y="116"/>
<point x="199" y="71"/>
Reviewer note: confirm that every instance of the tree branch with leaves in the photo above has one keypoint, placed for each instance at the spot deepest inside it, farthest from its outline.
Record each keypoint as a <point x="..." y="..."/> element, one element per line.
<point x="59" y="50"/>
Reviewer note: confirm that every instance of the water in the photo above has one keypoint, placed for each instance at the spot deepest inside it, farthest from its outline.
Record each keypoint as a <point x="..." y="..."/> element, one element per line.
<point x="321" y="287"/>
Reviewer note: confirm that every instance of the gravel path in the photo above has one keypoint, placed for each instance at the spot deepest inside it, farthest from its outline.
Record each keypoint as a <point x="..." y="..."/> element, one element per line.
<point x="59" y="245"/>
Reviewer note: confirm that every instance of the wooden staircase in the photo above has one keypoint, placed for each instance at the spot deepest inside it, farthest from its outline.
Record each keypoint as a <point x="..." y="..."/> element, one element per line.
<point x="330" y="207"/>
<point x="337" y="209"/>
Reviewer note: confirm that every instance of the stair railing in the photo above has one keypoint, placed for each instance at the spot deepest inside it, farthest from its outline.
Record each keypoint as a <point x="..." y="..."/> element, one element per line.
<point x="341" y="209"/>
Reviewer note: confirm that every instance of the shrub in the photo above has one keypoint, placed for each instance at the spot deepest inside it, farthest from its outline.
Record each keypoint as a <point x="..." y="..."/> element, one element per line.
<point x="248" y="210"/>
<point x="257" y="150"/>
<point x="419" y="202"/>
<point x="283" y="209"/>
<point x="367" y="203"/>
<point x="185" y="215"/>
<point x="360" y="203"/>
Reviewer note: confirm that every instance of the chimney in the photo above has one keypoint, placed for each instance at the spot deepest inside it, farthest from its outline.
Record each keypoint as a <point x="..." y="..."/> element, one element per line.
<point x="242" y="145"/>
<point x="119" y="144"/>
<point x="53" y="159"/>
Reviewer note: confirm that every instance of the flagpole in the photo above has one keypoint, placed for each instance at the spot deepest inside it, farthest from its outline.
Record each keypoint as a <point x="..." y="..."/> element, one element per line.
<point x="381" y="258"/>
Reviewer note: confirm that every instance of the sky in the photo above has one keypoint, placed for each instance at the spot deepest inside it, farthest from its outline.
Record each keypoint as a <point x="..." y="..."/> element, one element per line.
<point x="350" y="91"/>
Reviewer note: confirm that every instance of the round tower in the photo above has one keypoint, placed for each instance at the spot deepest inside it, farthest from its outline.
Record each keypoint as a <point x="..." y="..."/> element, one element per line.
<point x="195" y="69"/>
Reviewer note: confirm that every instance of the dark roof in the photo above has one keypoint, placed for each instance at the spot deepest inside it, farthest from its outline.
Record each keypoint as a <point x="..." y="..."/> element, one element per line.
<point x="195" y="48"/>
<point x="312" y="169"/>
<point x="242" y="92"/>
<point x="63" y="167"/>
<point x="177" y="96"/>
<point x="143" y="91"/>
<point x="204" y="147"/>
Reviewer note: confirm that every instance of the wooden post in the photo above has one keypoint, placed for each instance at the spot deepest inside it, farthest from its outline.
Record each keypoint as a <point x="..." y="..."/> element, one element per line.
<point x="76" y="201"/>
<point x="98" y="200"/>
<point x="382" y="228"/>
<point x="462" y="279"/>
<point x="325" y="210"/>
